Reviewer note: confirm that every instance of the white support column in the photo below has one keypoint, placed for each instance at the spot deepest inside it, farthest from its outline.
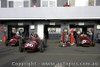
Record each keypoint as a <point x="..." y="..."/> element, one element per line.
<point x="40" y="31"/>
<point x="40" y="3"/>
<point x="29" y="3"/>
<point x="94" y="2"/>
<point x="68" y="2"/>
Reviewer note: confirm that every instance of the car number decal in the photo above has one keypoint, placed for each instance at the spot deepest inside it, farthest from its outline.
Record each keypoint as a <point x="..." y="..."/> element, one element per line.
<point x="31" y="45"/>
<point x="83" y="41"/>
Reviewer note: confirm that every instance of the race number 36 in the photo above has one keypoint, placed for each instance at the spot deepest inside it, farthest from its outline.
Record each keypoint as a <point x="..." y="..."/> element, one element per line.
<point x="29" y="45"/>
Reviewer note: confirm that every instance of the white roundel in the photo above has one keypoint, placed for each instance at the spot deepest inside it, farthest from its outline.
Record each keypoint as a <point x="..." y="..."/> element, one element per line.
<point x="31" y="45"/>
<point x="11" y="39"/>
<point x="83" y="41"/>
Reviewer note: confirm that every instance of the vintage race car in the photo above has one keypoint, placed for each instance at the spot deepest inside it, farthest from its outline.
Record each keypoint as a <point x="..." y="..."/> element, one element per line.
<point x="13" y="41"/>
<point x="32" y="45"/>
<point x="84" y="41"/>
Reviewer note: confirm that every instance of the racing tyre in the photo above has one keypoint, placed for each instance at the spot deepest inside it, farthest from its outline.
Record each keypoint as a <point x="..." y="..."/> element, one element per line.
<point x="6" y="42"/>
<point x="41" y="47"/>
<point x="20" y="45"/>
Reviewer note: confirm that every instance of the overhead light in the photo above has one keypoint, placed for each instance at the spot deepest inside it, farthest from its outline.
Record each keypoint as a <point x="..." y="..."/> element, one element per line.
<point x="82" y="23"/>
<point x="20" y="24"/>
<point x="53" y="23"/>
<point x="32" y="27"/>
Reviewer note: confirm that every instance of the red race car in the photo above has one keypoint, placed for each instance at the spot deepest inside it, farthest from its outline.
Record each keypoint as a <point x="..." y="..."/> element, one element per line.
<point x="13" y="41"/>
<point x="84" y="41"/>
<point x="32" y="45"/>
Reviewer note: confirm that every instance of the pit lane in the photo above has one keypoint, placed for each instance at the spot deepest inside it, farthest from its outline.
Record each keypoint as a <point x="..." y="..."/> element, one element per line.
<point x="53" y="53"/>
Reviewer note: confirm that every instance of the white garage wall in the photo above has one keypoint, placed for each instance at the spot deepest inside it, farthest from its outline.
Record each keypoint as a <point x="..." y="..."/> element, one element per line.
<point x="40" y="31"/>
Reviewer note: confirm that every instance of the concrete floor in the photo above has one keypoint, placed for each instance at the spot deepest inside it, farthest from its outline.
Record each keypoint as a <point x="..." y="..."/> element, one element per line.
<point x="54" y="56"/>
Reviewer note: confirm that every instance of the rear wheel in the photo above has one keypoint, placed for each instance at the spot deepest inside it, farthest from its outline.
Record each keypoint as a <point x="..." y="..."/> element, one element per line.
<point x="21" y="45"/>
<point x="6" y="42"/>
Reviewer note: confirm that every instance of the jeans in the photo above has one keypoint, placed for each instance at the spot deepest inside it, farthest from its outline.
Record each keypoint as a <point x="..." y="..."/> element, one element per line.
<point x="90" y="37"/>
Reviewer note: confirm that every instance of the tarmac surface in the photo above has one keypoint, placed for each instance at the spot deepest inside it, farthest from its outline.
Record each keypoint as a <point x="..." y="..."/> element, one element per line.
<point x="54" y="56"/>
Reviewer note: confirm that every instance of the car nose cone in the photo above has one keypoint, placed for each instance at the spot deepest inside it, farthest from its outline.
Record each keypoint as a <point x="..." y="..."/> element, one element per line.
<point x="29" y="45"/>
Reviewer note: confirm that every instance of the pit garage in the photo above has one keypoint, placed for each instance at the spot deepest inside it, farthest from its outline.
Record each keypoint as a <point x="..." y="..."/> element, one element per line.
<point x="18" y="29"/>
<point x="52" y="31"/>
<point x="49" y="30"/>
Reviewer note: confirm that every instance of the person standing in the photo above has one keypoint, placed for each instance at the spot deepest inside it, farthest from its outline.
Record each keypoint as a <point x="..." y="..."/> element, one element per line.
<point x="32" y="35"/>
<point x="72" y="40"/>
<point x="78" y="33"/>
<point x="21" y="32"/>
<point x="90" y="33"/>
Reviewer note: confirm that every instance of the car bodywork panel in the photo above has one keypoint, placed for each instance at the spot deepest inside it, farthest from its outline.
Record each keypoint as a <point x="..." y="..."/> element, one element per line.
<point x="14" y="40"/>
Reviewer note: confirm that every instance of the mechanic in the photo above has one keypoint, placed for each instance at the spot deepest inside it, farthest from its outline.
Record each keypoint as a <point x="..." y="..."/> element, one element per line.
<point x="67" y="38"/>
<point x="35" y="35"/>
<point x="78" y="31"/>
<point x="90" y="33"/>
<point x="77" y="34"/>
<point x="17" y="33"/>
<point x="32" y="35"/>
<point x="72" y="40"/>
<point x="63" y="35"/>
<point x="21" y="32"/>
